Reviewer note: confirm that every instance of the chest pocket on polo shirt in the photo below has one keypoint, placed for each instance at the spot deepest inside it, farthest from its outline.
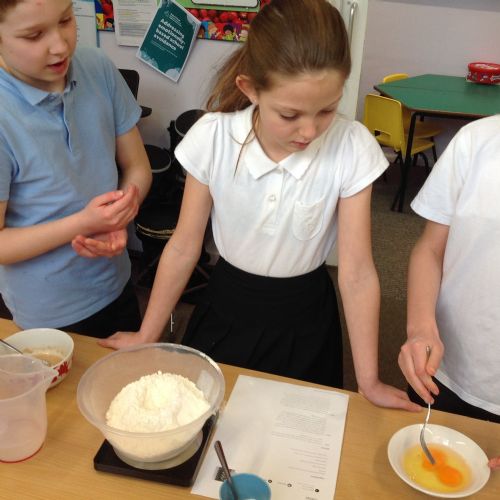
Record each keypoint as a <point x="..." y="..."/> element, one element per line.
<point x="307" y="219"/>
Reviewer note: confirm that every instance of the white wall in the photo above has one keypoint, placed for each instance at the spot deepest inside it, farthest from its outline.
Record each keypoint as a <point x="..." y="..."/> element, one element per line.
<point x="428" y="36"/>
<point x="167" y="98"/>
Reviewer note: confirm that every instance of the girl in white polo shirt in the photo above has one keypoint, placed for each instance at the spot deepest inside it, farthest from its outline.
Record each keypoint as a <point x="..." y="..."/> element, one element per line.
<point x="283" y="177"/>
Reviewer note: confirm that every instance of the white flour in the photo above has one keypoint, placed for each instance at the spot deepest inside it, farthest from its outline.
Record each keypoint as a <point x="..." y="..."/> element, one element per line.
<point x="157" y="402"/>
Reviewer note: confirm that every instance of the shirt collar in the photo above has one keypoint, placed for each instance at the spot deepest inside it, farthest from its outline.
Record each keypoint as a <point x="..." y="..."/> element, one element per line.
<point x="259" y="164"/>
<point x="32" y="94"/>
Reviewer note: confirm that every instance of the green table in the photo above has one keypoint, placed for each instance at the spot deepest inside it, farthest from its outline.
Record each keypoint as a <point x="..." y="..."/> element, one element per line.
<point x="439" y="96"/>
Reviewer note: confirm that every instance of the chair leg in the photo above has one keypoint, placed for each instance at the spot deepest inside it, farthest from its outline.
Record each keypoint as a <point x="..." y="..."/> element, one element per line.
<point x="399" y="197"/>
<point x="425" y="160"/>
<point x="426" y="163"/>
<point x="434" y="152"/>
<point x="170" y="335"/>
<point x="399" y="159"/>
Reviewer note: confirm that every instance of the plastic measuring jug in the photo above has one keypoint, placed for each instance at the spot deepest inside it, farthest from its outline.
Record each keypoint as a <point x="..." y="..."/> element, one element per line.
<point x="23" y="414"/>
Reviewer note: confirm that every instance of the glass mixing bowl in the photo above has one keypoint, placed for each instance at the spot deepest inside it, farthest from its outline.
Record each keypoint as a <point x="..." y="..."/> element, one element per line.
<point x="105" y="379"/>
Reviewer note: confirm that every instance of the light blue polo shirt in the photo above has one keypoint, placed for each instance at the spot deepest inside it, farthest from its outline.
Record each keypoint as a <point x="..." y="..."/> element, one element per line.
<point x="57" y="152"/>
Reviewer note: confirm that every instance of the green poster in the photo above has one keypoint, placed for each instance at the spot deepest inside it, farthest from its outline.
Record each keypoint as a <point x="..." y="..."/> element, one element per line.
<point x="169" y="39"/>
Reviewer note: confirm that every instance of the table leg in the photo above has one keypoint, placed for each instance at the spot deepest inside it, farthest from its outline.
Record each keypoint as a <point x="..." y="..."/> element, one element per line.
<point x="399" y="199"/>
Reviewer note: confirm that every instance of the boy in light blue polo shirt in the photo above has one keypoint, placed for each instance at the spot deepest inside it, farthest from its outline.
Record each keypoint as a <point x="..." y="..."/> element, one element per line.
<point x="68" y="120"/>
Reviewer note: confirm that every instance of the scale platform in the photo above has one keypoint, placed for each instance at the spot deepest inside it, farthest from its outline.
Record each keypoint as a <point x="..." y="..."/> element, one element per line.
<point x="180" y="474"/>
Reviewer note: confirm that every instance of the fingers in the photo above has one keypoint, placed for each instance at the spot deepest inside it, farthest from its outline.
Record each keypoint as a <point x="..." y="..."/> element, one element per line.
<point x="413" y="361"/>
<point x="121" y="211"/>
<point x="388" y="396"/>
<point x="109" y="344"/>
<point x="118" y="240"/>
<point x="434" y="359"/>
<point x="112" y="342"/>
<point x="407" y="366"/>
<point x="81" y="250"/>
<point x="119" y="340"/>
<point x="113" y="210"/>
<point x="108" y="198"/>
<point x="494" y="463"/>
<point x="403" y="402"/>
<point x="110" y="246"/>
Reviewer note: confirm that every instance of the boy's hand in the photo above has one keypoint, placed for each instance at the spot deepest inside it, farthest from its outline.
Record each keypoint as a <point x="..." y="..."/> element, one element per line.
<point x="494" y="463"/>
<point x="100" y="245"/>
<point x="111" y="211"/>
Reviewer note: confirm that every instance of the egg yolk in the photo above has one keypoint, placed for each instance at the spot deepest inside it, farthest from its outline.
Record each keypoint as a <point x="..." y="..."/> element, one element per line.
<point x="446" y="473"/>
<point x="438" y="456"/>
<point x="449" y="475"/>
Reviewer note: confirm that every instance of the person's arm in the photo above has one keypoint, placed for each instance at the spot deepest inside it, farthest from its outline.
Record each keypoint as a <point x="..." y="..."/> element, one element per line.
<point x="133" y="162"/>
<point x="178" y="259"/>
<point x="104" y="213"/>
<point x="135" y="179"/>
<point x="360" y="291"/>
<point x="424" y="281"/>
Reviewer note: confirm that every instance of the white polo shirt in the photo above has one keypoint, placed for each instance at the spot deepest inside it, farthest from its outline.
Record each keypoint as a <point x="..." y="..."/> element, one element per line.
<point x="277" y="219"/>
<point x="462" y="192"/>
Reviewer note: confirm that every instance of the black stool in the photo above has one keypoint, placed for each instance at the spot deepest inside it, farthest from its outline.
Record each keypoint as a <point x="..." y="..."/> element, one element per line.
<point x="179" y="127"/>
<point x="155" y="224"/>
<point x="165" y="185"/>
<point x="177" y="130"/>
<point x="157" y="218"/>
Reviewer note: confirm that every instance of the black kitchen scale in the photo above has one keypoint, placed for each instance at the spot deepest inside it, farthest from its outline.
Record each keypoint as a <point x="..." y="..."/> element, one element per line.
<point x="181" y="470"/>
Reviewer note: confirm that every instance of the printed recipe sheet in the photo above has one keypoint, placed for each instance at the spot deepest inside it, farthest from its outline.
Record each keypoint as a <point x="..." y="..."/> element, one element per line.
<point x="290" y="435"/>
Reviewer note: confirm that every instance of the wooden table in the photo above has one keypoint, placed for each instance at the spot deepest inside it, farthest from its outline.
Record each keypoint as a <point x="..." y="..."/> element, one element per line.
<point x="441" y="96"/>
<point x="63" y="468"/>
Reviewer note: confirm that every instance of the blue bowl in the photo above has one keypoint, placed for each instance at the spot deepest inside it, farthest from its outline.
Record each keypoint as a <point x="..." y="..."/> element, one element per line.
<point x="248" y="486"/>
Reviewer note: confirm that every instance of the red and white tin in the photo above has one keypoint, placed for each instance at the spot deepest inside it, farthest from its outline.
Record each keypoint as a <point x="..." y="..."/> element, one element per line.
<point x="483" y="72"/>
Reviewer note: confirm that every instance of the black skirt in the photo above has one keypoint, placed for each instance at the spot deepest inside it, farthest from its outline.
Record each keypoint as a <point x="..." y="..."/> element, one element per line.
<point x="285" y="326"/>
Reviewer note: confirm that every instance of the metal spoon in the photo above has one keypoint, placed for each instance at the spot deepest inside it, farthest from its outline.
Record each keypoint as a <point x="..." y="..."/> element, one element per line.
<point x="11" y="346"/>
<point x="427" y="452"/>
<point x="225" y="468"/>
<point x="46" y="363"/>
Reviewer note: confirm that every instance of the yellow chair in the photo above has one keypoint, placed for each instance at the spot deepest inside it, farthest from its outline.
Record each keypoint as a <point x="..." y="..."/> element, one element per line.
<point x="395" y="76"/>
<point x="384" y="119"/>
<point x="423" y="130"/>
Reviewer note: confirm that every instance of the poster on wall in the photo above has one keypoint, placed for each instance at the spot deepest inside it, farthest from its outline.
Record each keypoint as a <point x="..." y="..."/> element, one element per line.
<point x="86" y="33"/>
<point x="225" y="20"/>
<point x="104" y="15"/>
<point x="132" y="20"/>
<point x="169" y="39"/>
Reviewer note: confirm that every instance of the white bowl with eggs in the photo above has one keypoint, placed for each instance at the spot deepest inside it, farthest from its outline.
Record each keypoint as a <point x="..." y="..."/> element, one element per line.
<point x="457" y="457"/>
<point x="106" y="379"/>
<point x="53" y="347"/>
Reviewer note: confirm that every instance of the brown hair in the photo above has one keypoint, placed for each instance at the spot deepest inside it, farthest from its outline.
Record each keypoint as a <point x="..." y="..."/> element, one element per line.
<point x="5" y="5"/>
<point x="287" y="37"/>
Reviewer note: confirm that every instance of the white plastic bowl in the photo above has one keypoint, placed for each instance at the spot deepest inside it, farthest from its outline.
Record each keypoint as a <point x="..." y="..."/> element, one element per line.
<point x="476" y="459"/>
<point x="105" y="379"/>
<point x="45" y="340"/>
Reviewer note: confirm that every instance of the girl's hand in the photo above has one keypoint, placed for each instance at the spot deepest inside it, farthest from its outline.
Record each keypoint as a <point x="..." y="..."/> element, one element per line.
<point x="121" y="339"/>
<point x="100" y="245"/>
<point x="387" y="396"/>
<point x="110" y="211"/>
<point x="494" y="463"/>
<point x="417" y="369"/>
